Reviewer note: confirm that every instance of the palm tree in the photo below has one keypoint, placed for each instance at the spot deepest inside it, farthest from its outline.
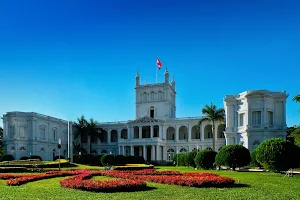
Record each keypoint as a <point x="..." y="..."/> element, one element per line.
<point x="87" y="129"/>
<point x="297" y="99"/>
<point x="212" y="114"/>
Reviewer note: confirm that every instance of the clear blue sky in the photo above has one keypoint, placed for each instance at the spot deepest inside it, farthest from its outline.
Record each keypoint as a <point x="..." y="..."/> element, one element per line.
<point x="67" y="58"/>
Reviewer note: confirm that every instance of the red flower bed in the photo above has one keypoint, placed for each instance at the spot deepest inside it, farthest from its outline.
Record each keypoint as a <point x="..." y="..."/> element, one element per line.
<point x="131" y="180"/>
<point x="78" y="182"/>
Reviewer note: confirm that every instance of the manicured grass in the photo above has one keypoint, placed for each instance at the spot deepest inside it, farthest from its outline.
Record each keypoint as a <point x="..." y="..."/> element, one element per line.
<point x="250" y="185"/>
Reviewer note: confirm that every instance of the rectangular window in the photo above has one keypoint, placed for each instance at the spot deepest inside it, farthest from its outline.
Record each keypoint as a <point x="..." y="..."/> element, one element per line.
<point x="54" y="134"/>
<point x="241" y="119"/>
<point x="256" y="118"/>
<point x="12" y="131"/>
<point x="43" y="133"/>
<point x="22" y="132"/>
<point x="270" y="118"/>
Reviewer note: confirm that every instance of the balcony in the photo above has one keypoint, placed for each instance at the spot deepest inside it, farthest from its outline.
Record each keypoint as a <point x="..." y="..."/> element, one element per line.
<point x="140" y="140"/>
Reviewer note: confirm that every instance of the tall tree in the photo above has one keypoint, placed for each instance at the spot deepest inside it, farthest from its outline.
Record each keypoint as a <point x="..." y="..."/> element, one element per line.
<point x="86" y="130"/>
<point x="297" y="99"/>
<point x="213" y="114"/>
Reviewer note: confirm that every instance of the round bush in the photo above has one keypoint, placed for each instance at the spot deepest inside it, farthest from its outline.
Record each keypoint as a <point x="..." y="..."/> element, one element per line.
<point x="7" y="158"/>
<point x="86" y="159"/>
<point x="35" y="157"/>
<point x="57" y="157"/>
<point x="189" y="159"/>
<point x="129" y="160"/>
<point x="107" y="159"/>
<point x="233" y="156"/>
<point x="24" y="158"/>
<point x="254" y="162"/>
<point x="205" y="159"/>
<point x="181" y="159"/>
<point x="277" y="155"/>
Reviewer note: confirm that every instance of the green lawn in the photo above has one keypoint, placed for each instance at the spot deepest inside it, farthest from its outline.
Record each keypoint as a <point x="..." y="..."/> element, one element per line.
<point x="250" y="186"/>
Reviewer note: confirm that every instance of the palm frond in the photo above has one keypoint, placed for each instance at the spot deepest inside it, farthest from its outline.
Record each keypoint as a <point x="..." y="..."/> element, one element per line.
<point x="296" y="98"/>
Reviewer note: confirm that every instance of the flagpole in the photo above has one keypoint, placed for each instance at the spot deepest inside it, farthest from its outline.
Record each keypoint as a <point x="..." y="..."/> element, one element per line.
<point x="156" y="74"/>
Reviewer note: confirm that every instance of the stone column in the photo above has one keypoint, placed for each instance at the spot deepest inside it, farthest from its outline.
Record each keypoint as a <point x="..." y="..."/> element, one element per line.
<point x="140" y="132"/>
<point x="176" y="133"/>
<point x="108" y="136"/>
<point x="131" y="150"/>
<point x="153" y="157"/>
<point x="151" y="131"/>
<point x="145" y="152"/>
<point x="71" y="141"/>
<point x="123" y="150"/>
<point x="158" y="156"/>
<point x="160" y="132"/>
<point x="119" y="134"/>
<point x="189" y="133"/>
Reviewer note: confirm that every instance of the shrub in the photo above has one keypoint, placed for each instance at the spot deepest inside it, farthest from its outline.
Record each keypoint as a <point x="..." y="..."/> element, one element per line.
<point x="35" y="157"/>
<point x="139" y="160"/>
<point x="189" y="159"/>
<point x="97" y="161"/>
<point x="254" y="162"/>
<point x="129" y="160"/>
<point x="120" y="160"/>
<point x="107" y="159"/>
<point x="276" y="155"/>
<point x="180" y="158"/>
<point x="233" y="156"/>
<point x="57" y="157"/>
<point x="205" y="159"/>
<point x="24" y="158"/>
<point x="7" y="157"/>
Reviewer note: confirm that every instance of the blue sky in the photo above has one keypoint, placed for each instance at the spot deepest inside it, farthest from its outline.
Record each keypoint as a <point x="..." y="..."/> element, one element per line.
<point x="67" y="58"/>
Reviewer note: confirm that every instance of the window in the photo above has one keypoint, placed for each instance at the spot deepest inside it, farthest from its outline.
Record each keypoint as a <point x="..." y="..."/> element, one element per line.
<point x="152" y="112"/>
<point x="159" y="96"/>
<point x="43" y="132"/>
<point x="270" y="118"/>
<point x="12" y="131"/>
<point x="54" y="134"/>
<point x="22" y="132"/>
<point x="170" y="154"/>
<point x="256" y="118"/>
<point x="241" y="119"/>
<point x="145" y="97"/>
<point x="151" y="96"/>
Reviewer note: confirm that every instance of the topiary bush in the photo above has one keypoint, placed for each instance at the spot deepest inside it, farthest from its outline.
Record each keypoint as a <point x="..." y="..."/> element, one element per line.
<point x="7" y="158"/>
<point x="129" y="160"/>
<point x="36" y="157"/>
<point x="189" y="159"/>
<point x="57" y="157"/>
<point x="254" y="162"/>
<point x="107" y="160"/>
<point x="24" y="158"/>
<point x="205" y="159"/>
<point x="233" y="156"/>
<point x="97" y="161"/>
<point x="276" y="154"/>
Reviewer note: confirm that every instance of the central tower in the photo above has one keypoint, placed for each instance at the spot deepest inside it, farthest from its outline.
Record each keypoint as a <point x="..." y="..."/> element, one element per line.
<point x="155" y="100"/>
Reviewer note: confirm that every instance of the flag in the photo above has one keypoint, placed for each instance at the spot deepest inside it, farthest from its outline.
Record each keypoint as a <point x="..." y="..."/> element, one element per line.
<point x="158" y="63"/>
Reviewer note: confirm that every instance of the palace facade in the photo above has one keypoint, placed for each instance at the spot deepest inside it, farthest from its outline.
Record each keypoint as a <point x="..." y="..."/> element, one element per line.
<point x="156" y="133"/>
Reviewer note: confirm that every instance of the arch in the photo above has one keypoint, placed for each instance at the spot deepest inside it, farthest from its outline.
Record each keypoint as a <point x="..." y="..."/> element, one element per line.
<point x="159" y="96"/>
<point x="124" y="133"/>
<point x="136" y="132"/>
<point x="152" y="96"/>
<point x="220" y="131"/>
<point x="155" y="131"/>
<point x="103" y="151"/>
<point x="114" y="136"/>
<point x="146" y="132"/>
<point x="103" y="135"/>
<point x="152" y="112"/>
<point x="54" y="133"/>
<point x="22" y="149"/>
<point x="42" y="129"/>
<point x="94" y="151"/>
<point x="207" y="132"/>
<point x="208" y="148"/>
<point x="183" y="150"/>
<point x="144" y="97"/>
<point x="183" y="132"/>
<point x="195" y="132"/>
<point x="255" y="144"/>
<point x="170" y="154"/>
<point x="42" y="149"/>
<point x="170" y="133"/>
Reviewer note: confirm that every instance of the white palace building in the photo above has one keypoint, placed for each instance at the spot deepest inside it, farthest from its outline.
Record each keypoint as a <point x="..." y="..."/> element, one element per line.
<point x="156" y="133"/>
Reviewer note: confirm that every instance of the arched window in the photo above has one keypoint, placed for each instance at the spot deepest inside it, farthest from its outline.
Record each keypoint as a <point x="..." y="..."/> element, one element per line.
<point x="221" y="129"/>
<point x="22" y="149"/>
<point x="152" y="96"/>
<point x="114" y="136"/>
<point x="124" y="134"/>
<point x="170" y="154"/>
<point x="159" y="96"/>
<point x="171" y="133"/>
<point x="183" y="131"/>
<point x="103" y="151"/>
<point x="195" y="132"/>
<point x="183" y="150"/>
<point x="144" y="97"/>
<point x="54" y="133"/>
<point x="42" y="132"/>
<point x="152" y="112"/>
<point x="207" y="132"/>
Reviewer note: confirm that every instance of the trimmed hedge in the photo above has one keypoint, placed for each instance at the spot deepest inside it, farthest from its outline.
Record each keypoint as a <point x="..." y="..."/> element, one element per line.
<point x="24" y="158"/>
<point x="57" y="157"/>
<point x="233" y="156"/>
<point x="133" y="167"/>
<point x="35" y="157"/>
<point x="107" y="160"/>
<point x="276" y="154"/>
<point x="205" y="159"/>
<point x="189" y="159"/>
<point x="7" y="158"/>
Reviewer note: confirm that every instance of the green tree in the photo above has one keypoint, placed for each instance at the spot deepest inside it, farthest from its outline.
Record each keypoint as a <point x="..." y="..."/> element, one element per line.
<point x="213" y="114"/>
<point x="295" y="134"/>
<point x="86" y="129"/>
<point x="297" y="99"/>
